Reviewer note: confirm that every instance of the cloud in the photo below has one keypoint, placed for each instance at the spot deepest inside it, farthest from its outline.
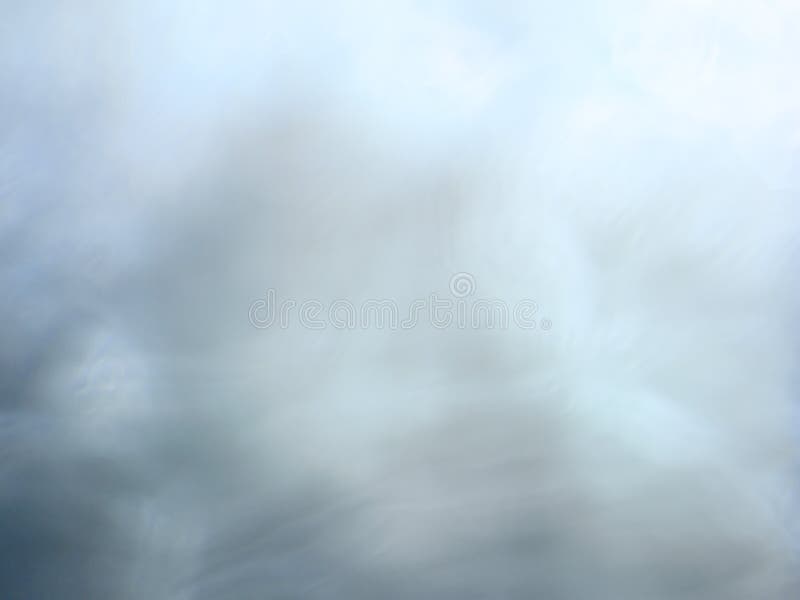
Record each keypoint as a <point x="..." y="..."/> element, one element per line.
<point x="628" y="166"/>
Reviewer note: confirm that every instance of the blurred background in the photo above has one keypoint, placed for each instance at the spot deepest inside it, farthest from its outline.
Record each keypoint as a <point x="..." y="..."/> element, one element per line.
<point x="632" y="167"/>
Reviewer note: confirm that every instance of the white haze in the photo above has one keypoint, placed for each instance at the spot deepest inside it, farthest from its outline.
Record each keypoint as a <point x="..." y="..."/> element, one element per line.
<point x="631" y="166"/>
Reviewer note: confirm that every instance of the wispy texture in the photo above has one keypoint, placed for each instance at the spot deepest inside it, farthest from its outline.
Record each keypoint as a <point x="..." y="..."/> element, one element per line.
<point x="630" y="166"/>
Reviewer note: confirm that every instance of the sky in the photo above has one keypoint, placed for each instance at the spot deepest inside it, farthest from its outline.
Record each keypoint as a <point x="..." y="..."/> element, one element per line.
<point x="629" y="167"/>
